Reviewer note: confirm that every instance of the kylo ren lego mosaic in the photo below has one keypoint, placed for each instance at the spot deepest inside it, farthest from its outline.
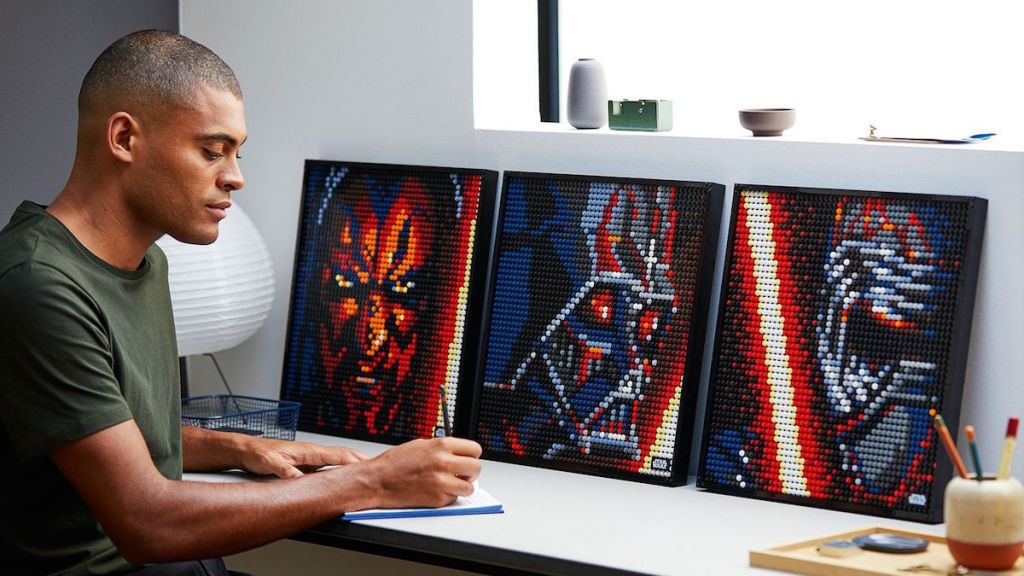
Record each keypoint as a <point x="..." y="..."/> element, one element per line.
<point x="843" y="328"/>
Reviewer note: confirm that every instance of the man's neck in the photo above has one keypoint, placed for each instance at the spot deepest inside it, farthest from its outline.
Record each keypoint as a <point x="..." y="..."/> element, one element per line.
<point x="104" y="227"/>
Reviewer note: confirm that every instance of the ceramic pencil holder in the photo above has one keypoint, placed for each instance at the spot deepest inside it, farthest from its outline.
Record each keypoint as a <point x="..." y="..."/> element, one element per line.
<point x="985" y="522"/>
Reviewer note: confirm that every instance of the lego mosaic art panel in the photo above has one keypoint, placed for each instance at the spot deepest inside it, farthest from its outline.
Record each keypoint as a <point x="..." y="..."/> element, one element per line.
<point x="596" y="324"/>
<point x="843" y="328"/>
<point x="386" y="297"/>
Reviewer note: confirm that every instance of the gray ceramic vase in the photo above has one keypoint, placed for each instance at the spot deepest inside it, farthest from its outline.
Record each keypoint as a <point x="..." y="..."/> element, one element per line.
<point x="588" y="94"/>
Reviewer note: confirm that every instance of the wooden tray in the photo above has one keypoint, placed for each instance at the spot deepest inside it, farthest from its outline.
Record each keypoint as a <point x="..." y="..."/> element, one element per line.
<point x="803" y="558"/>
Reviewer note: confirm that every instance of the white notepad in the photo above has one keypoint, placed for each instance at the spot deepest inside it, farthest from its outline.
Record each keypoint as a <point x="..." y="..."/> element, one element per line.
<point x="480" y="502"/>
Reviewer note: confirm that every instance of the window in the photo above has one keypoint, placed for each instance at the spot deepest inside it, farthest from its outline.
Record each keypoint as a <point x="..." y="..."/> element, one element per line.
<point x="910" y="67"/>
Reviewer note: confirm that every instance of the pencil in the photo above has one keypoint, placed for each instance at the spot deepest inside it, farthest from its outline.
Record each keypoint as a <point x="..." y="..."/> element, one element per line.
<point x="969" y="430"/>
<point x="1008" y="445"/>
<point x="947" y="441"/>
<point x="444" y="411"/>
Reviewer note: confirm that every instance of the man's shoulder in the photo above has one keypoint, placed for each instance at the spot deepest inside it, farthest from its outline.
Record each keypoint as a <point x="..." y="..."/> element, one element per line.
<point x="28" y="238"/>
<point x="36" y="292"/>
<point x="34" y="258"/>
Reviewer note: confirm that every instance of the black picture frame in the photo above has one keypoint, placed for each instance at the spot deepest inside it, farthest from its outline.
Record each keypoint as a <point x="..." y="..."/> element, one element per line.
<point x="731" y="458"/>
<point x="701" y="203"/>
<point x="455" y="409"/>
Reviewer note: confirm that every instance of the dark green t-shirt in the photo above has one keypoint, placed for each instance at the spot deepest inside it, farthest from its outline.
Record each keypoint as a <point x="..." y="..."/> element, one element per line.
<point x="83" y="346"/>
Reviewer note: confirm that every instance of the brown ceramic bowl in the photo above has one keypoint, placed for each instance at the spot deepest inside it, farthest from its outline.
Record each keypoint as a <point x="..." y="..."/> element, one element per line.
<point x="767" y="121"/>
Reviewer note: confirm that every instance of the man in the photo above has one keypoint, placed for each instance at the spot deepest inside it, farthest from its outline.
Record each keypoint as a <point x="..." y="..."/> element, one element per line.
<point x="91" y="441"/>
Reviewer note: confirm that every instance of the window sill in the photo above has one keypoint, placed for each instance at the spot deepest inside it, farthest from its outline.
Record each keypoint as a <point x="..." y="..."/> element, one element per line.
<point x="998" y="143"/>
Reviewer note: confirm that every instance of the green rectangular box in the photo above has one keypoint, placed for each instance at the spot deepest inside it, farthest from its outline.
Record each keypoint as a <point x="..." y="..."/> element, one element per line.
<point x="644" y="115"/>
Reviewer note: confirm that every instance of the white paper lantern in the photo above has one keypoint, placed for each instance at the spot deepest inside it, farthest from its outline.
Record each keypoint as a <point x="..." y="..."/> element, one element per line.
<point x="221" y="293"/>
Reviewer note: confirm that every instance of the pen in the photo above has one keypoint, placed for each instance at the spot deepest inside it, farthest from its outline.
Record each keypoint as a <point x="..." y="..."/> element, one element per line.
<point x="974" y="452"/>
<point x="444" y="411"/>
<point x="947" y="441"/>
<point x="1008" y="445"/>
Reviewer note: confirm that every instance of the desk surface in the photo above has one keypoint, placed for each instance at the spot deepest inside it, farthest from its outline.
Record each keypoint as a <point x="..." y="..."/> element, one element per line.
<point x="564" y="523"/>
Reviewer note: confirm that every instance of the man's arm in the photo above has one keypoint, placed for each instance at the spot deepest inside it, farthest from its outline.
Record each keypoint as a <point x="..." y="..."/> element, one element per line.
<point x="153" y="519"/>
<point x="211" y="451"/>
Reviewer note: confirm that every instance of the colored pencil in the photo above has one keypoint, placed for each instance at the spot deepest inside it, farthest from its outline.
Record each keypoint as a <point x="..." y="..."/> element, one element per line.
<point x="1008" y="445"/>
<point x="947" y="441"/>
<point x="980" y="474"/>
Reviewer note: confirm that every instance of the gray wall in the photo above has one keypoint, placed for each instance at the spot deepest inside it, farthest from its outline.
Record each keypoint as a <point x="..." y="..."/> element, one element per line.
<point x="46" y="47"/>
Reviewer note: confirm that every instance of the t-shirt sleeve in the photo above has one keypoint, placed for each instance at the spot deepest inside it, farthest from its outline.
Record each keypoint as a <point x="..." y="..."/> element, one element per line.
<point x="57" y="380"/>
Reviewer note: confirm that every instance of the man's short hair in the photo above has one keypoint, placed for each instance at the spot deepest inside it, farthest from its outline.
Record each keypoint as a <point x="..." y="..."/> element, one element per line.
<point x="154" y="67"/>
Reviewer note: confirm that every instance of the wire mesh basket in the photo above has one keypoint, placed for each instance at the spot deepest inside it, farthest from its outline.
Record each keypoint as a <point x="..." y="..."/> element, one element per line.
<point x="243" y="414"/>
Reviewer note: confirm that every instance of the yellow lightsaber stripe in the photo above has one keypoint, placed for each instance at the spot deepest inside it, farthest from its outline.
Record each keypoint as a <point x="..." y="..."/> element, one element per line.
<point x="773" y="338"/>
<point x="455" y="346"/>
<point x="661" y="447"/>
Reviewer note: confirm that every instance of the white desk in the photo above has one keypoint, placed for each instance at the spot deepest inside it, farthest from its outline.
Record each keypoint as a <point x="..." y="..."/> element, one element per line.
<point x="563" y="523"/>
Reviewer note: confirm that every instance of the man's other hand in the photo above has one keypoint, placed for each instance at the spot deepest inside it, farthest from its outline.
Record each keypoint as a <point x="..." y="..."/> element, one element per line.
<point x="288" y="459"/>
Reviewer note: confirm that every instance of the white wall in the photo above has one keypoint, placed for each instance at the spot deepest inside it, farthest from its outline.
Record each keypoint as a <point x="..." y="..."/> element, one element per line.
<point x="391" y="81"/>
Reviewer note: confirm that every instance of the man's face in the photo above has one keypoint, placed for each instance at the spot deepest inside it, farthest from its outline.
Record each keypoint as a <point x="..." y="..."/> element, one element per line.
<point x="187" y="167"/>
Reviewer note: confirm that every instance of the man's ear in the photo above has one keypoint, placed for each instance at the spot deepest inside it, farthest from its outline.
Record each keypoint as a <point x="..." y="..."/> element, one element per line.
<point x="122" y="136"/>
